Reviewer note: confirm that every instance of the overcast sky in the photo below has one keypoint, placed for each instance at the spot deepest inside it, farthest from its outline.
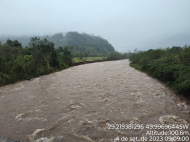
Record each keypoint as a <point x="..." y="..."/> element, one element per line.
<point x="126" y="24"/>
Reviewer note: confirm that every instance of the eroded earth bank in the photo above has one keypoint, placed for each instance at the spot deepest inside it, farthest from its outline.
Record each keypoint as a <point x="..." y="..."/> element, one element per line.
<point x="81" y="104"/>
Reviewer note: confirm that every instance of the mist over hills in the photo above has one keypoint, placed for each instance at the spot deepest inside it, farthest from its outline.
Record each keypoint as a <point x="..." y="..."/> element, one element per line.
<point x="81" y="42"/>
<point x="96" y="44"/>
<point x="179" y="39"/>
<point x="176" y="40"/>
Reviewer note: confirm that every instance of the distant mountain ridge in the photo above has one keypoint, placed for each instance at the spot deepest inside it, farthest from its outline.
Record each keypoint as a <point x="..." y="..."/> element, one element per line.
<point x="81" y="42"/>
<point x="179" y="39"/>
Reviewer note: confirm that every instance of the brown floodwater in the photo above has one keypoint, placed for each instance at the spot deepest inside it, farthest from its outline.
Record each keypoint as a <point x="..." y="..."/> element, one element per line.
<point x="98" y="102"/>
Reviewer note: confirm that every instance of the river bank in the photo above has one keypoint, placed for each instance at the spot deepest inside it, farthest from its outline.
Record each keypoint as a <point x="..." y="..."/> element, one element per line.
<point x="85" y="103"/>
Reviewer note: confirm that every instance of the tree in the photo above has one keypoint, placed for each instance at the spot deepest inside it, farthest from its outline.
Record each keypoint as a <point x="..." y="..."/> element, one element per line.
<point x="41" y="51"/>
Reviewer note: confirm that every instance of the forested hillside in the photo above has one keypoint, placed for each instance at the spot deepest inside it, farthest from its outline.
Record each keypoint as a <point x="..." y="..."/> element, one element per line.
<point x="39" y="58"/>
<point x="171" y="65"/>
<point x="82" y="43"/>
<point x="93" y="45"/>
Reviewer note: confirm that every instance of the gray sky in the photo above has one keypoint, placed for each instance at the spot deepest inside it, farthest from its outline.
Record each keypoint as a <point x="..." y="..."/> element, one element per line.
<point x="126" y="24"/>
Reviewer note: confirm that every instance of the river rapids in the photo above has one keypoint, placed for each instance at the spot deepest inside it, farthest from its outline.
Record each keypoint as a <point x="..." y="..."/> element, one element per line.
<point x="89" y="103"/>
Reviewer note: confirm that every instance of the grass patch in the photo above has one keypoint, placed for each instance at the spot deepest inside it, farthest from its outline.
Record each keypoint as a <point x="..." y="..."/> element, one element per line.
<point x="137" y="67"/>
<point x="78" y="59"/>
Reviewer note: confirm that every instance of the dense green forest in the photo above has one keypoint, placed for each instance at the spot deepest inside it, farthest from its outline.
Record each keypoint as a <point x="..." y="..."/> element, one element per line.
<point x="49" y="54"/>
<point x="39" y="58"/>
<point x="118" y="56"/>
<point x="170" y="65"/>
<point x="83" y="44"/>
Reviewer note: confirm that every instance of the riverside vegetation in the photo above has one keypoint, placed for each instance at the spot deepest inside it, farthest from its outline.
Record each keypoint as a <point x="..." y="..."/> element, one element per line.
<point x="170" y="65"/>
<point x="40" y="57"/>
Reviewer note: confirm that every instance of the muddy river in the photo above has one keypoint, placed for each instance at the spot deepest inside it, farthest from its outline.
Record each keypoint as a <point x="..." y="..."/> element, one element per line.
<point x="98" y="102"/>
